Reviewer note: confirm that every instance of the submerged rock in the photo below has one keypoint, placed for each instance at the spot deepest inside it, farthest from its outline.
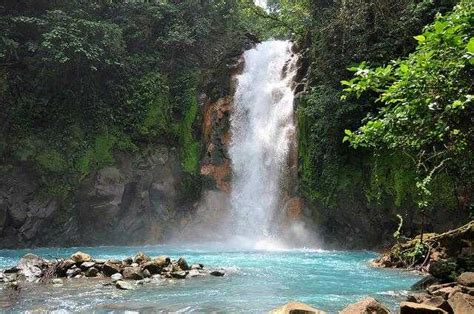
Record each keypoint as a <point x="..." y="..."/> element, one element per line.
<point x="217" y="273"/>
<point x="123" y="285"/>
<point x="296" y="308"/>
<point x="57" y="281"/>
<point x="367" y="305"/>
<point x="80" y="257"/>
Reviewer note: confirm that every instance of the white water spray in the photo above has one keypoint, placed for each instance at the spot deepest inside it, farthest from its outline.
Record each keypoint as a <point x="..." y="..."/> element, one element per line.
<point x="262" y="126"/>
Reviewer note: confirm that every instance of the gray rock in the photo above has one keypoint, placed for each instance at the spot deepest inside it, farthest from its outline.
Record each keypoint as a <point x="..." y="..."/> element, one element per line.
<point x="63" y="266"/>
<point x="127" y="261"/>
<point x="179" y="274"/>
<point x="87" y="265"/>
<point x="195" y="273"/>
<point x="30" y="266"/>
<point x="146" y="273"/>
<point x="57" y="281"/>
<point x="133" y="273"/>
<point x="73" y="272"/>
<point x="197" y="266"/>
<point x="116" y="277"/>
<point x="153" y="267"/>
<point x="162" y="261"/>
<point x="123" y="285"/>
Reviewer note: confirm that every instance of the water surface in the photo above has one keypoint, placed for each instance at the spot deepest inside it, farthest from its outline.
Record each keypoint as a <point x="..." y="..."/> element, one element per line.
<point x="256" y="282"/>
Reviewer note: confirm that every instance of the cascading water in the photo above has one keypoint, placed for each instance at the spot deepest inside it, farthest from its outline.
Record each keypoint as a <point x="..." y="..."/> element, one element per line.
<point x="262" y="126"/>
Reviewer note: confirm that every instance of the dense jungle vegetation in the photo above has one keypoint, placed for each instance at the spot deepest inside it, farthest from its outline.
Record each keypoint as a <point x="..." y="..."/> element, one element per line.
<point x="386" y="117"/>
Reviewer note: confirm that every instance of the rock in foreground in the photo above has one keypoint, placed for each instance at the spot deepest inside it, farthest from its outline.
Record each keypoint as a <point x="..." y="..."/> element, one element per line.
<point x="367" y="305"/>
<point x="295" y="307"/>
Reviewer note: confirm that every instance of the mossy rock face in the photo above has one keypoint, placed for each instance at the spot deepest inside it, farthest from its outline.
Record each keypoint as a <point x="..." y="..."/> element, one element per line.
<point x="444" y="270"/>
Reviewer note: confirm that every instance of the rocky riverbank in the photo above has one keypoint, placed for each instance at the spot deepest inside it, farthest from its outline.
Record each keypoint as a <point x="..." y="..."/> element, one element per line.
<point x="124" y="274"/>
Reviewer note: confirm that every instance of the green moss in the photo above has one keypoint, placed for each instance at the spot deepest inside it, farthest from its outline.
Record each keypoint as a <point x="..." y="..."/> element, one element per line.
<point x="52" y="160"/>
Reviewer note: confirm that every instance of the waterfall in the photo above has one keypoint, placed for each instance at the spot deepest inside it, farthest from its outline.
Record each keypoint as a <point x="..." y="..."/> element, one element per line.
<point x="262" y="127"/>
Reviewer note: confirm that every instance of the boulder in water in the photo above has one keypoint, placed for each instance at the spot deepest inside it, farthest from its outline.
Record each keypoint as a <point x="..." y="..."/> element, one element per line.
<point x="87" y="265"/>
<point x="116" y="277"/>
<point x="183" y="264"/>
<point x="181" y="274"/>
<point x="57" y="281"/>
<point x="296" y="308"/>
<point x="123" y="285"/>
<point x="133" y="273"/>
<point x="81" y="257"/>
<point x="91" y="272"/>
<point x="111" y="267"/>
<point x="153" y="267"/>
<point x="367" y="305"/>
<point x="31" y="266"/>
<point x="63" y="266"/>
<point x="162" y="261"/>
<point x="141" y="258"/>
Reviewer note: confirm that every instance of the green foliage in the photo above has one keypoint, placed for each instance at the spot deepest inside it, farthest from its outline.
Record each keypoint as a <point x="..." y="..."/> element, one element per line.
<point x="426" y="102"/>
<point x="81" y="79"/>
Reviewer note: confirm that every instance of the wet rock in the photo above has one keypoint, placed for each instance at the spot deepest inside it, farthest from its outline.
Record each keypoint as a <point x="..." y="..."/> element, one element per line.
<point x="296" y="308"/>
<point x="367" y="305"/>
<point x="217" y="273"/>
<point x="462" y="303"/>
<point x="73" y="272"/>
<point x="111" y="267"/>
<point x="87" y="265"/>
<point x="466" y="279"/>
<point x="133" y="273"/>
<point x="179" y="274"/>
<point x="146" y="273"/>
<point x="162" y="261"/>
<point x="81" y="257"/>
<point x="197" y="266"/>
<point x="128" y="261"/>
<point x="63" y="266"/>
<point x="91" y="272"/>
<point x="183" y="264"/>
<point x="123" y="285"/>
<point x="57" y="281"/>
<point x="153" y="267"/>
<point x="195" y="273"/>
<point x="100" y="261"/>
<point x="30" y="266"/>
<point x="141" y="258"/>
<point x="415" y="308"/>
<point x="116" y="277"/>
